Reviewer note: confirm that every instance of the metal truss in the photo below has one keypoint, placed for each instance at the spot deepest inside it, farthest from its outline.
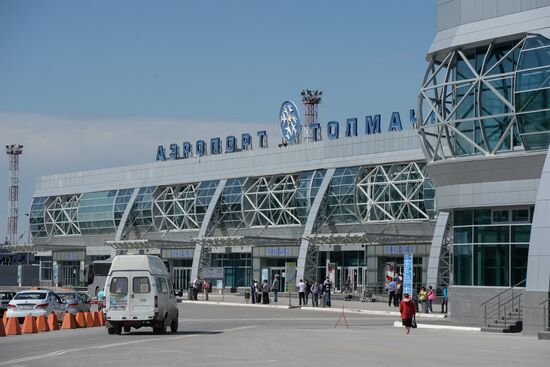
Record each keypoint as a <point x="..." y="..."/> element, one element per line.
<point x="392" y="192"/>
<point x="62" y="216"/>
<point x="467" y="108"/>
<point x="445" y="259"/>
<point x="271" y="201"/>
<point x="174" y="208"/>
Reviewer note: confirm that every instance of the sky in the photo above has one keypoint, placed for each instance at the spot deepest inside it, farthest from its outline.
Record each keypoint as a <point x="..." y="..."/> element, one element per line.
<point x="96" y="84"/>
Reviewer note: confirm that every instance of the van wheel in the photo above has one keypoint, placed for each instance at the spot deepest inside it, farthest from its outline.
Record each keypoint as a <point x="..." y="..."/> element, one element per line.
<point x="127" y="329"/>
<point x="174" y="325"/>
<point x="161" y="326"/>
<point x="110" y="331"/>
<point x="117" y="328"/>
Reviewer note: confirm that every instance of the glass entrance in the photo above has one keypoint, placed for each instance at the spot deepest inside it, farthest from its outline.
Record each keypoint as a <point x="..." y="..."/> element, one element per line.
<point x="181" y="277"/>
<point x="281" y="272"/>
<point x="70" y="273"/>
<point x="350" y="279"/>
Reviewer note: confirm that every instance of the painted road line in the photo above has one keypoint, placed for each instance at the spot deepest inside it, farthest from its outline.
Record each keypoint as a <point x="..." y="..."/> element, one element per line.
<point x="111" y="345"/>
<point x="441" y="327"/>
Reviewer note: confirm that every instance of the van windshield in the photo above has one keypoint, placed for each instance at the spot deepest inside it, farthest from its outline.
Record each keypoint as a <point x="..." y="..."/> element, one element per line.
<point x="119" y="285"/>
<point x="141" y="285"/>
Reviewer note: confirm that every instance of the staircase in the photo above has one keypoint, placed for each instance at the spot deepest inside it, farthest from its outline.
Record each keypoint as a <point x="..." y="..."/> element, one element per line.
<point x="503" y="312"/>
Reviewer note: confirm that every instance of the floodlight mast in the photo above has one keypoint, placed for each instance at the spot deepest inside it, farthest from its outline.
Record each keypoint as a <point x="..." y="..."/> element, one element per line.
<point x="13" y="151"/>
<point x="311" y="100"/>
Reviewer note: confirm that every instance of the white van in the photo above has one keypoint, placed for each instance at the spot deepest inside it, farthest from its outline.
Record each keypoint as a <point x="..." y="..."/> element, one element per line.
<point x="139" y="292"/>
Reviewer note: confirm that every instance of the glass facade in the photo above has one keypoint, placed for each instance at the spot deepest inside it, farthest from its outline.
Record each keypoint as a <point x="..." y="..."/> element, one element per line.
<point x="487" y="100"/>
<point x="491" y="245"/>
<point x="237" y="268"/>
<point x="341" y="196"/>
<point x="37" y="217"/>
<point x="142" y="212"/>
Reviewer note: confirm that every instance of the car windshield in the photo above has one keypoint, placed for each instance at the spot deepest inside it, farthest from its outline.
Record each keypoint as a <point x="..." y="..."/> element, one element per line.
<point x="66" y="296"/>
<point x="6" y="296"/>
<point x="31" y="295"/>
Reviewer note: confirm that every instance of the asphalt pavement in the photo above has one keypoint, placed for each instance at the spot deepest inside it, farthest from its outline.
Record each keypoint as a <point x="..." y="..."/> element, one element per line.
<point x="240" y="336"/>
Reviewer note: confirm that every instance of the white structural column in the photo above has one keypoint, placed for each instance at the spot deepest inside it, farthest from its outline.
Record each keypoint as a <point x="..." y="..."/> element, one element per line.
<point x="126" y="214"/>
<point x="305" y="245"/>
<point x="200" y="250"/>
<point x="438" y="242"/>
<point x="538" y="265"/>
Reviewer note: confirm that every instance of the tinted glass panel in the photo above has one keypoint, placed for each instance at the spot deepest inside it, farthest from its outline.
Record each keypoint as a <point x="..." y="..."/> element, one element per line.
<point x="463" y="265"/>
<point x="491" y="263"/>
<point x="141" y="285"/>
<point x="463" y="217"/>
<point x="492" y="234"/>
<point x="119" y="285"/>
<point x="521" y="233"/>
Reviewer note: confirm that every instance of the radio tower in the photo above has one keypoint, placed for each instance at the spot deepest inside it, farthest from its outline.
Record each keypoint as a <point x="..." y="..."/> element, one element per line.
<point x="13" y="151"/>
<point x="311" y="100"/>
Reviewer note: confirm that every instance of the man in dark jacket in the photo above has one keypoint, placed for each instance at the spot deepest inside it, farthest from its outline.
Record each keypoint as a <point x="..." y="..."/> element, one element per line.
<point x="275" y="287"/>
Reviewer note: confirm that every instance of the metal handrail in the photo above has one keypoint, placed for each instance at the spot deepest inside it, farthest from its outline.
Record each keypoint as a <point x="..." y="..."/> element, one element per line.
<point x="545" y="315"/>
<point x="500" y="304"/>
<point x="504" y="291"/>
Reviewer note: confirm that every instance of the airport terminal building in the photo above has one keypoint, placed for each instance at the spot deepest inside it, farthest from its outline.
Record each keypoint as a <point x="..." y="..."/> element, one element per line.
<point x="465" y="189"/>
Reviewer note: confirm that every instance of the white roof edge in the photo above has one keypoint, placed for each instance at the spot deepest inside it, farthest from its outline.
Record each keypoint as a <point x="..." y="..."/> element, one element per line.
<point x="529" y="21"/>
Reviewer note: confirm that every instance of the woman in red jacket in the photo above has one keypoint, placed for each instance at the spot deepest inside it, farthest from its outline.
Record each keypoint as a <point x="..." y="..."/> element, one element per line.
<point x="407" y="310"/>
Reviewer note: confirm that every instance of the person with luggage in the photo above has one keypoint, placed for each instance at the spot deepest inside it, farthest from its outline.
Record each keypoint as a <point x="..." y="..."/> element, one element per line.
<point x="407" y="310"/>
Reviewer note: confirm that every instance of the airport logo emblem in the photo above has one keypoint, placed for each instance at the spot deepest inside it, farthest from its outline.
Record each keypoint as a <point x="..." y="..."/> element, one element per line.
<point x="290" y="121"/>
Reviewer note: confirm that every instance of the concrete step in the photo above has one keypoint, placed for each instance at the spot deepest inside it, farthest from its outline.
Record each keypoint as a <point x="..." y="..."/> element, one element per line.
<point x="496" y="329"/>
<point x="544" y="335"/>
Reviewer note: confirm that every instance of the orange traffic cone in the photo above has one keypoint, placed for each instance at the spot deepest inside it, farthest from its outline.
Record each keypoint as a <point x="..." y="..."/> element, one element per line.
<point x="89" y="319"/>
<point x="53" y="322"/>
<point x="80" y="320"/>
<point x="95" y="316"/>
<point x="12" y="326"/>
<point x="101" y="318"/>
<point x="5" y="318"/>
<point x="68" y="321"/>
<point x="42" y="324"/>
<point x="29" y="325"/>
<point x="2" y="331"/>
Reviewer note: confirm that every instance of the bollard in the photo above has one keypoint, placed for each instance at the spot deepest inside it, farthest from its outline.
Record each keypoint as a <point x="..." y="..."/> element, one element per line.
<point x="68" y="321"/>
<point x="29" y="325"/>
<point x="96" y="318"/>
<point x="5" y="318"/>
<point x="289" y="299"/>
<point x="89" y="319"/>
<point x="80" y="320"/>
<point x="53" y="322"/>
<point x="12" y="326"/>
<point x="42" y="324"/>
<point x="101" y="318"/>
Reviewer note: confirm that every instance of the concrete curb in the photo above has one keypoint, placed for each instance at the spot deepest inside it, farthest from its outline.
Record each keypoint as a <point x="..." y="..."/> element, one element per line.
<point x="441" y="327"/>
<point x="318" y="309"/>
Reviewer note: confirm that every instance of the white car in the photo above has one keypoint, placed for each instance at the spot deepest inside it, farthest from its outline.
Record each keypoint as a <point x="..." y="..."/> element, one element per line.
<point x="36" y="302"/>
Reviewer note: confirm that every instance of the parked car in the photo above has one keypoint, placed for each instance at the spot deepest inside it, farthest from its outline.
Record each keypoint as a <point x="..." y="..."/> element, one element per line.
<point x="5" y="298"/>
<point x="74" y="301"/>
<point x="36" y="302"/>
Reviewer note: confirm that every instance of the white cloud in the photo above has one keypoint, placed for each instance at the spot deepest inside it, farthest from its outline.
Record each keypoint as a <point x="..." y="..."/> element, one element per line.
<point x="59" y="144"/>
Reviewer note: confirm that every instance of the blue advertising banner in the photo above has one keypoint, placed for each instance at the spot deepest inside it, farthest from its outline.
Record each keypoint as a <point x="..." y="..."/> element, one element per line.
<point x="408" y="274"/>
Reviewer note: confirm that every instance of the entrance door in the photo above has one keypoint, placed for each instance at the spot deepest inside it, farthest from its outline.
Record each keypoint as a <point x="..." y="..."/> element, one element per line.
<point x="70" y="274"/>
<point x="279" y="271"/>
<point x="181" y="277"/>
<point x="351" y="278"/>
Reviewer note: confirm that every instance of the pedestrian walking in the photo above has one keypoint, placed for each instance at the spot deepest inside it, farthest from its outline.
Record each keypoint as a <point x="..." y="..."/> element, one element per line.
<point x="431" y="298"/>
<point x="444" y="301"/>
<point x="408" y="311"/>
<point x="399" y="292"/>
<point x="308" y="291"/>
<point x="254" y="291"/>
<point x="392" y="288"/>
<point x="196" y="286"/>
<point x="315" y="291"/>
<point x="301" y="286"/>
<point x="275" y="287"/>
<point x="265" y="292"/>
<point x="423" y="299"/>
<point x="100" y="298"/>
<point x="206" y="287"/>
<point x="327" y="286"/>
